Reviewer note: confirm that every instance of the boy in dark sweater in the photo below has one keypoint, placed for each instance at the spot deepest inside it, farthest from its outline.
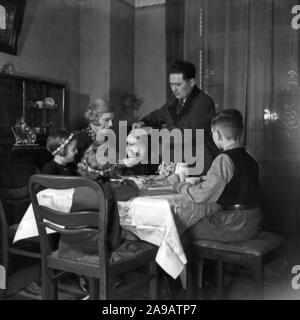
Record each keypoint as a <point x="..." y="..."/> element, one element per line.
<point x="231" y="187"/>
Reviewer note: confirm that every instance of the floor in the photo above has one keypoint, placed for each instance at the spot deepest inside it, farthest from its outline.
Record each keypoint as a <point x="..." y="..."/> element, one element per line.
<point x="238" y="284"/>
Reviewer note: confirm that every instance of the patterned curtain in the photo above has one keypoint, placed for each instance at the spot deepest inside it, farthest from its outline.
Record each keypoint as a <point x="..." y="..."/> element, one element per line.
<point x="246" y="52"/>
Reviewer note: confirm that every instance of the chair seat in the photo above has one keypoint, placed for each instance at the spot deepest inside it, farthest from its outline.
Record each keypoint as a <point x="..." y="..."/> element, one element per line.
<point x="258" y="246"/>
<point x="128" y="251"/>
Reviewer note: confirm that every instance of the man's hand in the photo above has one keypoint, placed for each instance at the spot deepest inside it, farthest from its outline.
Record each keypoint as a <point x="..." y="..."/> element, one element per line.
<point x="173" y="178"/>
<point x="137" y="125"/>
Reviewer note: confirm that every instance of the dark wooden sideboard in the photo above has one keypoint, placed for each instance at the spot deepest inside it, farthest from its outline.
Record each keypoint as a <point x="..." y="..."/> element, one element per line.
<point x="24" y="97"/>
<point x="20" y="97"/>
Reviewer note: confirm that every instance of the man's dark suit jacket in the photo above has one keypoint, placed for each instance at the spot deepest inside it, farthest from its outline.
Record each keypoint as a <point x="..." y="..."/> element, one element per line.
<point x="197" y="112"/>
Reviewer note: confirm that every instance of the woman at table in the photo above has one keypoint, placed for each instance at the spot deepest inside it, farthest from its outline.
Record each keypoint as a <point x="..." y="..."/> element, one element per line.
<point x="100" y="116"/>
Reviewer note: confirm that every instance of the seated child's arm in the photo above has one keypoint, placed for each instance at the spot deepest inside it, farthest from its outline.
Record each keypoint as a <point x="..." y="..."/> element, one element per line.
<point x="219" y="174"/>
<point x="125" y="190"/>
<point x="85" y="198"/>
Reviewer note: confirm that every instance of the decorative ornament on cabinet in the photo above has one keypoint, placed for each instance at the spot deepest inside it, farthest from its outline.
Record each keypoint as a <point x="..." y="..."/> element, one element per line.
<point x="24" y="135"/>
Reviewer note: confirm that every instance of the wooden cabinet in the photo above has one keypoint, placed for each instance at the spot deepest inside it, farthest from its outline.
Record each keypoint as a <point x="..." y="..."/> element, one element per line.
<point x="25" y="97"/>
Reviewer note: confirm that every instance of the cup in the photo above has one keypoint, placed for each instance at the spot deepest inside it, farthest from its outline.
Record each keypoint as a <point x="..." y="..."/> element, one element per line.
<point x="193" y="180"/>
<point x="182" y="170"/>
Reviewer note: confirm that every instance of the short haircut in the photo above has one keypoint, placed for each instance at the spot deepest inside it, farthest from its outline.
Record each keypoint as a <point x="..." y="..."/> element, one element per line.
<point x="230" y="123"/>
<point x="57" y="139"/>
<point x="95" y="110"/>
<point x="187" y="69"/>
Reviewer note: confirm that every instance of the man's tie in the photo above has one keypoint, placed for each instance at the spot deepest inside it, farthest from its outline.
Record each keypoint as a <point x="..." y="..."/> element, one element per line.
<point x="180" y="106"/>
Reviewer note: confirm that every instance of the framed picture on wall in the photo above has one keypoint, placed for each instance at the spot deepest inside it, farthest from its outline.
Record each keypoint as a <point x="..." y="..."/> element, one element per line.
<point x="11" y="19"/>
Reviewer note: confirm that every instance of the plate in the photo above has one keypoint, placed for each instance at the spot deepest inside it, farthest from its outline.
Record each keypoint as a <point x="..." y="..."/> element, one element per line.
<point x="116" y="180"/>
<point x="169" y="187"/>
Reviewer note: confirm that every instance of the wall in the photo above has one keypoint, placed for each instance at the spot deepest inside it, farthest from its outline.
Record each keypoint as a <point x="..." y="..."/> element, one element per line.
<point x="106" y="51"/>
<point x="122" y="54"/>
<point x="94" y="51"/>
<point x="150" y="57"/>
<point x="49" y="46"/>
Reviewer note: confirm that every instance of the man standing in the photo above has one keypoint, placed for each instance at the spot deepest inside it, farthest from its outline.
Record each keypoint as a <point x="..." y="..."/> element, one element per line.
<point x="190" y="109"/>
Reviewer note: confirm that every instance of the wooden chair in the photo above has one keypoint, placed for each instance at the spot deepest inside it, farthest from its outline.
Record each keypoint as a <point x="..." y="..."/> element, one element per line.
<point x="97" y="268"/>
<point x="25" y="253"/>
<point x="253" y="254"/>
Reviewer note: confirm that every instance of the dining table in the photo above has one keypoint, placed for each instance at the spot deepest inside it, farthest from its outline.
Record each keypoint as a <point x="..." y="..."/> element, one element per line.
<point x="158" y="215"/>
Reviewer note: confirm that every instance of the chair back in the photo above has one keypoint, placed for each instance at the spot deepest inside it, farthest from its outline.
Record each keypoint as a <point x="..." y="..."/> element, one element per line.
<point x="72" y="223"/>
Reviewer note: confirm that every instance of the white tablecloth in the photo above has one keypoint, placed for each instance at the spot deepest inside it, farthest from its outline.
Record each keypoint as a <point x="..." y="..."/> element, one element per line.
<point x="149" y="217"/>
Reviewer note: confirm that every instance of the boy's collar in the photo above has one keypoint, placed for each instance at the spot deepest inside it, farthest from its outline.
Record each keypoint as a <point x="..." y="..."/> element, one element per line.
<point x="232" y="145"/>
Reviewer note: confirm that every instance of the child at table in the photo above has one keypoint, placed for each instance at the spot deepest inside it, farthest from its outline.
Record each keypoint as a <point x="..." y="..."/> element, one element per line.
<point x="231" y="186"/>
<point x="63" y="146"/>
